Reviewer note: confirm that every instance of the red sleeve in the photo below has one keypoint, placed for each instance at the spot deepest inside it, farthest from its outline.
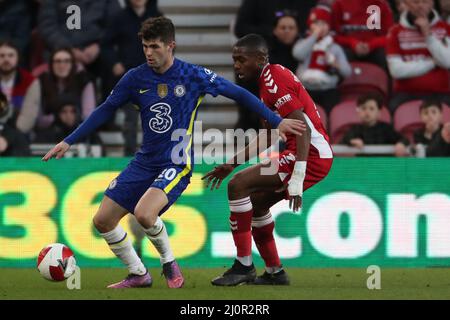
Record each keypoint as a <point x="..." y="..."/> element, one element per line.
<point x="378" y="42"/>
<point x="392" y="45"/>
<point x="281" y="94"/>
<point x="336" y="17"/>
<point x="336" y="25"/>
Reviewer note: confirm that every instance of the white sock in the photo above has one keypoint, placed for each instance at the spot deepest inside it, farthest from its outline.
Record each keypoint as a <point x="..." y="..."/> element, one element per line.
<point x="119" y="243"/>
<point x="158" y="236"/>
<point x="246" y="261"/>
<point x="273" y="270"/>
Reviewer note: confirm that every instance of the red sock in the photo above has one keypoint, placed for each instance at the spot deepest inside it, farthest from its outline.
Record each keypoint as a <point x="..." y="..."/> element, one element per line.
<point x="262" y="232"/>
<point x="241" y="225"/>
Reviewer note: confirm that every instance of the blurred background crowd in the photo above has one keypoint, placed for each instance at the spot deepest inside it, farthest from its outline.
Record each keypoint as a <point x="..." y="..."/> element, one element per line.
<point x="378" y="70"/>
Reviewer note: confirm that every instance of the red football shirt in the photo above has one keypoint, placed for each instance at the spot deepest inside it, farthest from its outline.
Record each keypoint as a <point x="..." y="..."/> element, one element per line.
<point x="409" y="44"/>
<point x="350" y="22"/>
<point x="283" y="92"/>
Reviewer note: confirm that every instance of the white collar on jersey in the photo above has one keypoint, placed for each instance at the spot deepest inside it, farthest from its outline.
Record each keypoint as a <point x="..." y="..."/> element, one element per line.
<point x="264" y="69"/>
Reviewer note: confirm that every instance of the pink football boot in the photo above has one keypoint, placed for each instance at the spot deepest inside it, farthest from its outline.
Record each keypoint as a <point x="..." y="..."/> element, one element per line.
<point x="133" y="281"/>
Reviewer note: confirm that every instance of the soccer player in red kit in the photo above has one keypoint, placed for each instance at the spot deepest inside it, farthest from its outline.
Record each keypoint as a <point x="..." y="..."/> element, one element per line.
<point x="252" y="192"/>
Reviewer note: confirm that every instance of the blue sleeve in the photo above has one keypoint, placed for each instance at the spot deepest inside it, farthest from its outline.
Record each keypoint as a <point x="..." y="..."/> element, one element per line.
<point x="211" y="83"/>
<point x="118" y="97"/>
<point x="248" y="100"/>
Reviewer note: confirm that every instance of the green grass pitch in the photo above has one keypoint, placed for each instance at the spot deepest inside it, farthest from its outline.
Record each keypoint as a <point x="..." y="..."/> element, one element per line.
<point x="339" y="283"/>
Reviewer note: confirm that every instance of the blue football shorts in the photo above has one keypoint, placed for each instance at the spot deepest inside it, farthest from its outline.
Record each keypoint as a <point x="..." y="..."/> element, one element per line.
<point x="131" y="184"/>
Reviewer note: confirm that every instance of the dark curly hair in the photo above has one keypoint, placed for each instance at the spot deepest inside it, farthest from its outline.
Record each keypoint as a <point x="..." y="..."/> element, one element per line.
<point x="430" y="103"/>
<point x="158" y="28"/>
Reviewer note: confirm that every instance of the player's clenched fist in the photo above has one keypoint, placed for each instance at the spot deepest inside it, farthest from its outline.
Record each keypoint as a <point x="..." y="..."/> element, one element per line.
<point x="57" y="151"/>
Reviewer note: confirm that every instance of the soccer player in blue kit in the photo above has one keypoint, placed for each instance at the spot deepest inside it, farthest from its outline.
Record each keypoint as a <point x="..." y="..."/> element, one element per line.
<point x="168" y="92"/>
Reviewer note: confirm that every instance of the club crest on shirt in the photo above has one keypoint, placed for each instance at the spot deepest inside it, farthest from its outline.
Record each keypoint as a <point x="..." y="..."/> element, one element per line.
<point x="113" y="184"/>
<point x="179" y="90"/>
<point x="163" y="90"/>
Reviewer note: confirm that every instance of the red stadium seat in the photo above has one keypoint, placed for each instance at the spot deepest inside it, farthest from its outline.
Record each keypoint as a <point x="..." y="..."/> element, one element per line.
<point x="365" y="77"/>
<point x="323" y="116"/>
<point x="344" y="115"/>
<point x="407" y="117"/>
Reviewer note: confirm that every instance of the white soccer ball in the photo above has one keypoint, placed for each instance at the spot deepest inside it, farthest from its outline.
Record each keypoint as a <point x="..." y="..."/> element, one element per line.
<point x="56" y="262"/>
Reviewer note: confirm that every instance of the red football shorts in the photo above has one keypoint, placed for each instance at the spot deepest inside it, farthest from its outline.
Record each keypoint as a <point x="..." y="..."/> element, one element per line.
<point x="316" y="169"/>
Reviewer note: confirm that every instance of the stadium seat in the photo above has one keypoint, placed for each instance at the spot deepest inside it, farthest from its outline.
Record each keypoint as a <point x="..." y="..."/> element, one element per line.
<point x="344" y="115"/>
<point x="407" y="117"/>
<point x="365" y="77"/>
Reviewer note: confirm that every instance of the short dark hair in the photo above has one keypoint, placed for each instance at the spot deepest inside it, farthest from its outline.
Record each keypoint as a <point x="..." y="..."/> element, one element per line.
<point x="371" y="96"/>
<point x="283" y="14"/>
<point x="253" y="42"/>
<point x="430" y="103"/>
<point x="157" y="28"/>
<point x="10" y="44"/>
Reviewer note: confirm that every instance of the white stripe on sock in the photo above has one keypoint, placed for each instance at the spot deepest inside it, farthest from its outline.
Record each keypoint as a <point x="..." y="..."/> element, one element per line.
<point x="124" y="250"/>
<point x="259" y="222"/>
<point x="158" y="236"/>
<point x="241" y="205"/>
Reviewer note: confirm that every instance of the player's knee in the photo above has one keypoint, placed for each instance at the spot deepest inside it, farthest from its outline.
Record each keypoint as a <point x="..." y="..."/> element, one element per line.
<point x="101" y="224"/>
<point x="144" y="217"/>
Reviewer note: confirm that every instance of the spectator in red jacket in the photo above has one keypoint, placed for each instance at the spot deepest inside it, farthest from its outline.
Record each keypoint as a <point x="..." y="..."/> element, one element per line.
<point x="14" y="81"/>
<point x="362" y="34"/>
<point x="13" y="143"/>
<point x="418" y="55"/>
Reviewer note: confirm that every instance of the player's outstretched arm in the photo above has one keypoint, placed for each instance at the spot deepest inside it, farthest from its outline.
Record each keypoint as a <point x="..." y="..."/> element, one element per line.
<point x="97" y="118"/>
<point x="118" y="97"/>
<point x="215" y="177"/>
<point x="57" y="151"/>
<point x="246" y="99"/>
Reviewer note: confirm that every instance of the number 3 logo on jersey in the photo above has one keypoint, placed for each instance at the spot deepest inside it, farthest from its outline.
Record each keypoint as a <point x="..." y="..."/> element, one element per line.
<point x="162" y="121"/>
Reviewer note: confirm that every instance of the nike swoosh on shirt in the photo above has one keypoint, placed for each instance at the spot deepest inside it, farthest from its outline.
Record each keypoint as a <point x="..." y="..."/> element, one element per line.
<point x="143" y="91"/>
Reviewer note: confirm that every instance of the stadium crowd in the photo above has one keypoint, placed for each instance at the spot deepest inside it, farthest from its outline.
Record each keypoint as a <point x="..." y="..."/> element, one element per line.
<point x="377" y="78"/>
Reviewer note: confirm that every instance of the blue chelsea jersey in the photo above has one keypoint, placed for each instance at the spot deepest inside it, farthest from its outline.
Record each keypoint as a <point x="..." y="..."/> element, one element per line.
<point x="168" y="105"/>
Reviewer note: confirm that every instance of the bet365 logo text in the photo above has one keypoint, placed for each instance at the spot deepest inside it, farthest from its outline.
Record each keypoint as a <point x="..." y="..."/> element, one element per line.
<point x="374" y="19"/>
